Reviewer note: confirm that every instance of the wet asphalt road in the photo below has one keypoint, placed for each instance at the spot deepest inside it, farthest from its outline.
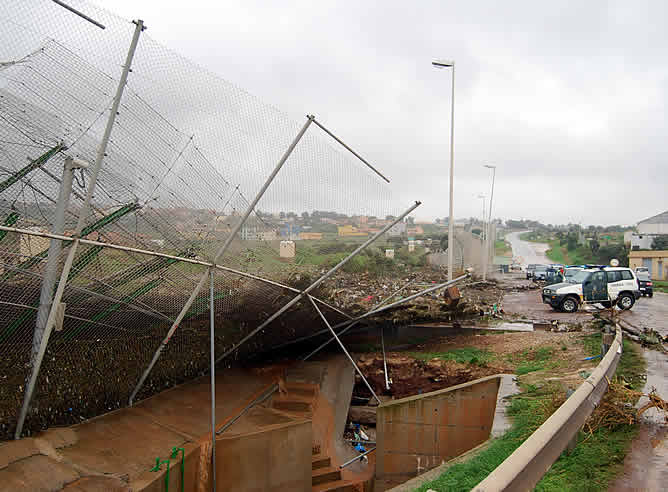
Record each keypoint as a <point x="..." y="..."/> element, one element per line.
<point x="527" y="253"/>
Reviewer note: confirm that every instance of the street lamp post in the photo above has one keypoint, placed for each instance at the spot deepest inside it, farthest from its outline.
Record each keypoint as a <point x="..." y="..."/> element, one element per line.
<point x="451" y="220"/>
<point x="490" y="248"/>
<point x="483" y="238"/>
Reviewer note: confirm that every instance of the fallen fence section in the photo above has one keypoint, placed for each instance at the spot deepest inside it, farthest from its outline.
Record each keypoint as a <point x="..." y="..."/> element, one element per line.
<point x="526" y="466"/>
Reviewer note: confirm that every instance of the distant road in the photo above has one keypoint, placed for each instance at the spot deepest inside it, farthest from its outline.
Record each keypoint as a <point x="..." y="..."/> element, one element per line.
<point x="527" y="252"/>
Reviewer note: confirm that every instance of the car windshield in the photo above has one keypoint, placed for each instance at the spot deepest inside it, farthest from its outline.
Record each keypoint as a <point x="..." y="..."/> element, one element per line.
<point x="579" y="277"/>
<point x="542" y="268"/>
<point x="570" y="272"/>
<point x="643" y="276"/>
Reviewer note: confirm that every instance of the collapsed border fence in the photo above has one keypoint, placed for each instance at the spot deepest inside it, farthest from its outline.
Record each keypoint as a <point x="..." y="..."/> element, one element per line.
<point x="130" y="178"/>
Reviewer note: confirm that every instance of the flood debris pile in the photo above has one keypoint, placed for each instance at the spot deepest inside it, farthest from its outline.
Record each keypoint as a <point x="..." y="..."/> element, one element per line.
<point x="618" y="407"/>
<point x="358" y="293"/>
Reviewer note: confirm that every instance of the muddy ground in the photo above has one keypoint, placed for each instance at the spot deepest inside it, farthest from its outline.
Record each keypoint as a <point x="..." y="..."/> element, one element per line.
<point x="507" y="352"/>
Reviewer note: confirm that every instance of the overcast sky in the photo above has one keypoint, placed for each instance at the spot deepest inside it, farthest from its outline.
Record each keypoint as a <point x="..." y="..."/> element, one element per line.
<point x="568" y="99"/>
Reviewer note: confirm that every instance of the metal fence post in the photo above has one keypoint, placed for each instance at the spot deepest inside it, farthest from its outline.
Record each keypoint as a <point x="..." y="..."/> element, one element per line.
<point x="318" y="282"/>
<point x="338" y="340"/>
<point x="220" y="253"/>
<point x="213" y="382"/>
<point x="83" y="215"/>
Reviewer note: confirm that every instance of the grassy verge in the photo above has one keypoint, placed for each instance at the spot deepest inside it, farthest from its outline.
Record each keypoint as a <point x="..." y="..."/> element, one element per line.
<point x="466" y="355"/>
<point x="660" y="285"/>
<point x="597" y="458"/>
<point x="531" y="360"/>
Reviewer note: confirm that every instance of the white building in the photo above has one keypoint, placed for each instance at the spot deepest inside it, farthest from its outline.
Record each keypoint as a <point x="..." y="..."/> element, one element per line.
<point x="654" y="225"/>
<point x="648" y="229"/>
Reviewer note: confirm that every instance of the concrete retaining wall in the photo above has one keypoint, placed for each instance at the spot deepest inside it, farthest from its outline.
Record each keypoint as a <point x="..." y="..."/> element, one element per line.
<point x="276" y="458"/>
<point x="420" y="432"/>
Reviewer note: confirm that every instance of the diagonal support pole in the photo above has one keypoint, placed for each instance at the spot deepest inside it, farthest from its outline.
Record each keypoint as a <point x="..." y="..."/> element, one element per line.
<point x="219" y="254"/>
<point x="38" y="356"/>
<point x="318" y="282"/>
<point x="338" y="340"/>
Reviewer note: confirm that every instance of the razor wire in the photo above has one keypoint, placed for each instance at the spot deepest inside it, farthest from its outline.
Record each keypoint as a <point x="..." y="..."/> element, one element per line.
<point x="187" y="153"/>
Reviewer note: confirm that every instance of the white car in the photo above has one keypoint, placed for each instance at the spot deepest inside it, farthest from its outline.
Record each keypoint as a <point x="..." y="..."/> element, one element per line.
<point x="607" y="286"/>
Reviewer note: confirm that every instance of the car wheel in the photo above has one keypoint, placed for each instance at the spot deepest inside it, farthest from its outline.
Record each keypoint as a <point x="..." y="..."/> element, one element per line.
<point x="625" y="301"/>
<point x="569" y="305"/>
<point x="651" y="295"/>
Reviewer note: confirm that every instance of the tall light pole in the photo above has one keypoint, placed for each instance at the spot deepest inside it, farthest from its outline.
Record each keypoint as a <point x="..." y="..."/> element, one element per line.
<point x="451" y="220"/>
<point x="490" y="247"/>
<point x="483" y="236"/>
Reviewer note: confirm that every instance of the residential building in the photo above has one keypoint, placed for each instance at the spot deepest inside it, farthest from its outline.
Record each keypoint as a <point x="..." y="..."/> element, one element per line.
<point x="287" y="249"/>
<point x="397" y="229"/>
<point x="310" y="235"/>
<point x="656" y="261"/>
<point x="654" y="225"/>
<point x="648" y="229"/>
<point x="350" y="230"/>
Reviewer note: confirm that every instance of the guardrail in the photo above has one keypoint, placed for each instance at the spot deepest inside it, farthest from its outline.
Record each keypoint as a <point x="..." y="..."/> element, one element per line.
<point x="526" y="466"/>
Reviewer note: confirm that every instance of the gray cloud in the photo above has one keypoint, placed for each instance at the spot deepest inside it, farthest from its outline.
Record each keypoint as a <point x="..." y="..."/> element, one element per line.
<point x="568" y="99"/>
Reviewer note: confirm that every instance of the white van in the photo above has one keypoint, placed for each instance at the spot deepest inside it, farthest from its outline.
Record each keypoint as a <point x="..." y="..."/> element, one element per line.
<point x="607" y="286"/>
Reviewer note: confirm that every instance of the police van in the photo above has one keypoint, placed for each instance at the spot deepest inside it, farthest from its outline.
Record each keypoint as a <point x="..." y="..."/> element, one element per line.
<point x="604" y="285"/>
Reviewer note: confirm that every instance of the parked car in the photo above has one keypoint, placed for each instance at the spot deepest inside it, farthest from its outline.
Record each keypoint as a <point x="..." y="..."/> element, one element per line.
<point x="554" y="276"/>
<point x="570" y="272"/>
<point x="645" y="284"/>
<point x="530" y="270"/>
<point x="540" y="272"/>
<point x="607" y="286"/>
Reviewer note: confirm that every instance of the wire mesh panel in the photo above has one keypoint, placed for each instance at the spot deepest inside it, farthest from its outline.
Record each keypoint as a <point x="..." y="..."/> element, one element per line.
<point x="188" y="153"/>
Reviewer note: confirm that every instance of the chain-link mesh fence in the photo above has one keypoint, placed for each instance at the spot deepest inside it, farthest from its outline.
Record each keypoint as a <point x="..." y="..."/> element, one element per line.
<point x="188" y="153"/>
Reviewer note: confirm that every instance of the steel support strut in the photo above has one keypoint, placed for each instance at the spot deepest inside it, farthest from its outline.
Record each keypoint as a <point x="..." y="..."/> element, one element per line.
<point x="213" y="382"/>
<point x="338" y="340"/>
<point x="83" y="216"/>
<point x="219" y="254"/>
<point x="317" y="282"/>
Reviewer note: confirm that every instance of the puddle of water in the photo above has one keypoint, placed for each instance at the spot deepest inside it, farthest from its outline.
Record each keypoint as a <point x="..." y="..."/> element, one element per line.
<point x="512" y="327"/>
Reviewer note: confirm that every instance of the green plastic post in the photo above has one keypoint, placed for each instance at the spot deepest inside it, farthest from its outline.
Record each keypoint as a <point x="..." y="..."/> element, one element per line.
<point x="156" y="468"/>
<point x="175" y="453"/>
<point x="9" y="221"/>
<point x="41" y="160"/>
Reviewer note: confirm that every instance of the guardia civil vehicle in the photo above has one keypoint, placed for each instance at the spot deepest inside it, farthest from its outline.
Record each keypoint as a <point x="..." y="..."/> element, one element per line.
<point x="608" y="286"/>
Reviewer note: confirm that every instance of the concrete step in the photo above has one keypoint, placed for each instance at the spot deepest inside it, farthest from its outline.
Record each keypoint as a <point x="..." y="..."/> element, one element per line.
<point x="326" y="474"/>
<point x="302" y="390"/>
<point x="291" y="406"/>
<point x="335" y="486"/>
<point x="320" y="461"/>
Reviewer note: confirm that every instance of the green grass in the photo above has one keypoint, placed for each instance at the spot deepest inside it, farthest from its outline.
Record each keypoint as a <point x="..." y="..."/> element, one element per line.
<point x="531" y="361"/>
<point x="660" y="285"/>
<point x="466" y="355"/>
<point x="593" y="464"/>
